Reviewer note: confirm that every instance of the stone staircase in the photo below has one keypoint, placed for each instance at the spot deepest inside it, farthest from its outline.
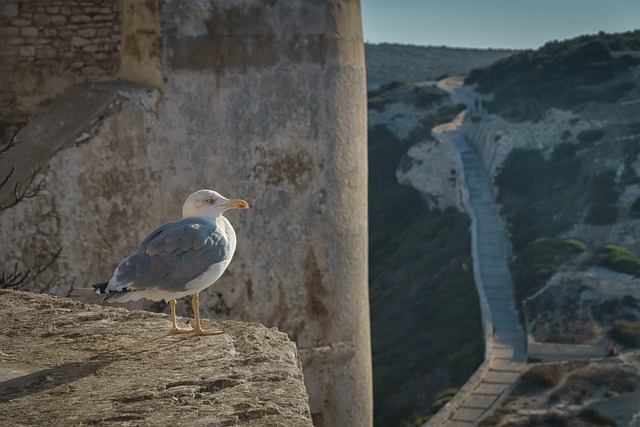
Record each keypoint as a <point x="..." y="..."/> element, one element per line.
<point x="506" y="348"/>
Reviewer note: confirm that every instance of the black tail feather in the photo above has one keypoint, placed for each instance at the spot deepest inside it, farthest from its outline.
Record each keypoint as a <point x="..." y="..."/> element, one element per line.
<point x="101" y="287"/>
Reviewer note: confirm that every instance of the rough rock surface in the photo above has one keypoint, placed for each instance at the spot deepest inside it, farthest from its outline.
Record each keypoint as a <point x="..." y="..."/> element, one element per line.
<point x="594" y="393"/>
<point x="434" y="172"/>
<point x="570" y="317"/>
<point x="65" y="362"/>
<point x="431" y="166"/>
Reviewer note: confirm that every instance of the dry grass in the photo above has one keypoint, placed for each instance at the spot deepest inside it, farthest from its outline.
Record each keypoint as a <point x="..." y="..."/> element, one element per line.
<point x="538" y="378"/>
<point x="594" y="382"/>
<point x="626" y="333"/>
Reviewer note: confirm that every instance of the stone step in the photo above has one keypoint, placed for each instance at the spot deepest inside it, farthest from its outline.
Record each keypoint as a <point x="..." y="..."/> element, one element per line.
<point x="490" y="389"/>
<point x="467" y="414"/>
<point x="479" y="401"/>
<point x="458" y="423"/>
<point x="501" y="377"/>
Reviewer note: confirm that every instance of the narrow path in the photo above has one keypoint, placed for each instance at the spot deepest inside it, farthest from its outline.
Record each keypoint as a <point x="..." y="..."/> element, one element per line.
<point x="505" y="339"/>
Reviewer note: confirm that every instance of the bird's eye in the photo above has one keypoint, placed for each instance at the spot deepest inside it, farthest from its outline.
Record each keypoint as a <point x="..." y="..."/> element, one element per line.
<point x="209" y="200"/>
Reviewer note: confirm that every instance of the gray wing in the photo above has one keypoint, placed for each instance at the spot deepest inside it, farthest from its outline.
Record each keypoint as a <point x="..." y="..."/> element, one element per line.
<point x="171" y="256"/>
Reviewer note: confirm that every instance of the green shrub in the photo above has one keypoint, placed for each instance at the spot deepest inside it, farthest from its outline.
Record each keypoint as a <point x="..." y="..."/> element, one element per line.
<point x="591" y="381"/>
<point x="618" y="308"/>
<point x="540" y="197"/>
<point x="540" y="377"/>
<point x="424" y="96"/>
<point x="601" y="215"/>
<point x="384" y="88"/>
<point x="602" y="195"/>
<point x="564" y="151"/>
<point x="379" y="103"/>
<point x="593" y="417"/>
<point x="602" y="189"/>
<point x="442" y="400"/>
<point x="587" y="137"/>
<point x="631" y="153"/>
<point x="626" y="333"/>
<point x="465" y="361"/>
<point x="634" y="210"/>
<point x="539" y="260"/>
<point x="560" y="75"/>
<point x="615" y="92"/>
<point x="619" y="259"/>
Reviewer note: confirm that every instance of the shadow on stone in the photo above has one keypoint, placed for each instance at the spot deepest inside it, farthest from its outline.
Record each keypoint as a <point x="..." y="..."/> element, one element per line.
<point x="47" y="379"/>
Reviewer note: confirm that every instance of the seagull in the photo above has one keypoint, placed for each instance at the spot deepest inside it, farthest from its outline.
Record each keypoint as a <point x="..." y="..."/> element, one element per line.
<point x="180" y="258"/>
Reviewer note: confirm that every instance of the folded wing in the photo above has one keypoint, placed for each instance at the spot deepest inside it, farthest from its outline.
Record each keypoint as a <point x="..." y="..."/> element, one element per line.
<point x="171" y="256"/>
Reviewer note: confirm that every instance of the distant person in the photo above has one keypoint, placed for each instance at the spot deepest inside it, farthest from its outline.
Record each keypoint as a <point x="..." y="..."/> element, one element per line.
<point x="612" y="350"/>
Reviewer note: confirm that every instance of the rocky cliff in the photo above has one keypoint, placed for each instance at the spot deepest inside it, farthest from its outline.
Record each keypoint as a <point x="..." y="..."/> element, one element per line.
<point x="63" y="362"/>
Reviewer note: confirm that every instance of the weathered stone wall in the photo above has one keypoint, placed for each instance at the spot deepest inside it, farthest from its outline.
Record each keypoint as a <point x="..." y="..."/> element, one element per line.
<point x="47" y="46"/>
<point x="260" y="100"/>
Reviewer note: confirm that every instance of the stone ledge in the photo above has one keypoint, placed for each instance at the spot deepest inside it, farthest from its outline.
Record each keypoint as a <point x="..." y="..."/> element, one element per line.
<point x="65" y="362"/>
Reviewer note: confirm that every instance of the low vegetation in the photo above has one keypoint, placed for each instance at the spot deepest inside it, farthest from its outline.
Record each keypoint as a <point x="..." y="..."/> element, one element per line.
<point x="595" y="418"/>
<point x="538" y="378"/>
<point x="602" y="197"/>
<point x="560" y="74"/>
<point x="594" y="382"/>
<point x="540" y="197"/>
<point x="626" y="333"/>
<point x="418" y="420"/>
<point x="539" y="260"/>
<point x="387" y="62"/>
<point x="620" y="259"/>
<point x="425" y="315"/>
<point x="376" y="99"/>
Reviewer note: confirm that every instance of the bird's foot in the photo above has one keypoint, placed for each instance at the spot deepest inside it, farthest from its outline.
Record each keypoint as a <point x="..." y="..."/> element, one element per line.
<point x="177" y="330"/>
<point x="200" y="331"/>
<point x="197" y="331"/>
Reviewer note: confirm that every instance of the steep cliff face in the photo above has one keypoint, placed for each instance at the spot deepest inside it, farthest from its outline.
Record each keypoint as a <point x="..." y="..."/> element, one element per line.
<point x="574" y="104"/>
<point x="409" y="111"/>
<point x="589" y="153"/>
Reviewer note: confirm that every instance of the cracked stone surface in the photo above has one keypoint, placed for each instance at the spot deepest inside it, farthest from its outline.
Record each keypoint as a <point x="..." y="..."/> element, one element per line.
<point x="63" y="362"/>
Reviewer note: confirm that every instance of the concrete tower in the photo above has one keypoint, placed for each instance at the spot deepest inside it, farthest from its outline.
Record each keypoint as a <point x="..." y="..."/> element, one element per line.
<point x="281" y="107"/>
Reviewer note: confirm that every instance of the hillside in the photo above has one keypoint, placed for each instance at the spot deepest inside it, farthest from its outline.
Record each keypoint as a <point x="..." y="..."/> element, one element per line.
<point x="425" y="315"/>
<point x="571" y="191"/>
<point x="388" y="62"/>
<point x="557" y="129"/>
<point x="561" y="137"/>
<point x="568" y="75"/>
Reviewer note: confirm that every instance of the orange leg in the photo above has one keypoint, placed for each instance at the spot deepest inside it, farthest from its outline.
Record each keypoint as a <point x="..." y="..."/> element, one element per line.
<point x="195" y="304"/>
<point x="175" y="328"/>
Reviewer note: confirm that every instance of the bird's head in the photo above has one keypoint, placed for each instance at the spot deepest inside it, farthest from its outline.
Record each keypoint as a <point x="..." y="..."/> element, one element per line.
<point x="209" y="203"/>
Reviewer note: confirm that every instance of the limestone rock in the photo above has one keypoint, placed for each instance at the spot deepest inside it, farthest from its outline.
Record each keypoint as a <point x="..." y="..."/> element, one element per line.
<point x="63" y="362"/>
<point x="433" y="171"/>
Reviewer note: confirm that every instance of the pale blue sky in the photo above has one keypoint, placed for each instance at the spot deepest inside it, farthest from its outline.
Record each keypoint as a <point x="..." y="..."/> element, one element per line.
<point x="516" y="24"/>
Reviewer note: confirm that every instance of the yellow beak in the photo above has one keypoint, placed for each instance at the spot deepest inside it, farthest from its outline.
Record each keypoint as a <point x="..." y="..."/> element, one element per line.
<point x="236" y="204"/>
